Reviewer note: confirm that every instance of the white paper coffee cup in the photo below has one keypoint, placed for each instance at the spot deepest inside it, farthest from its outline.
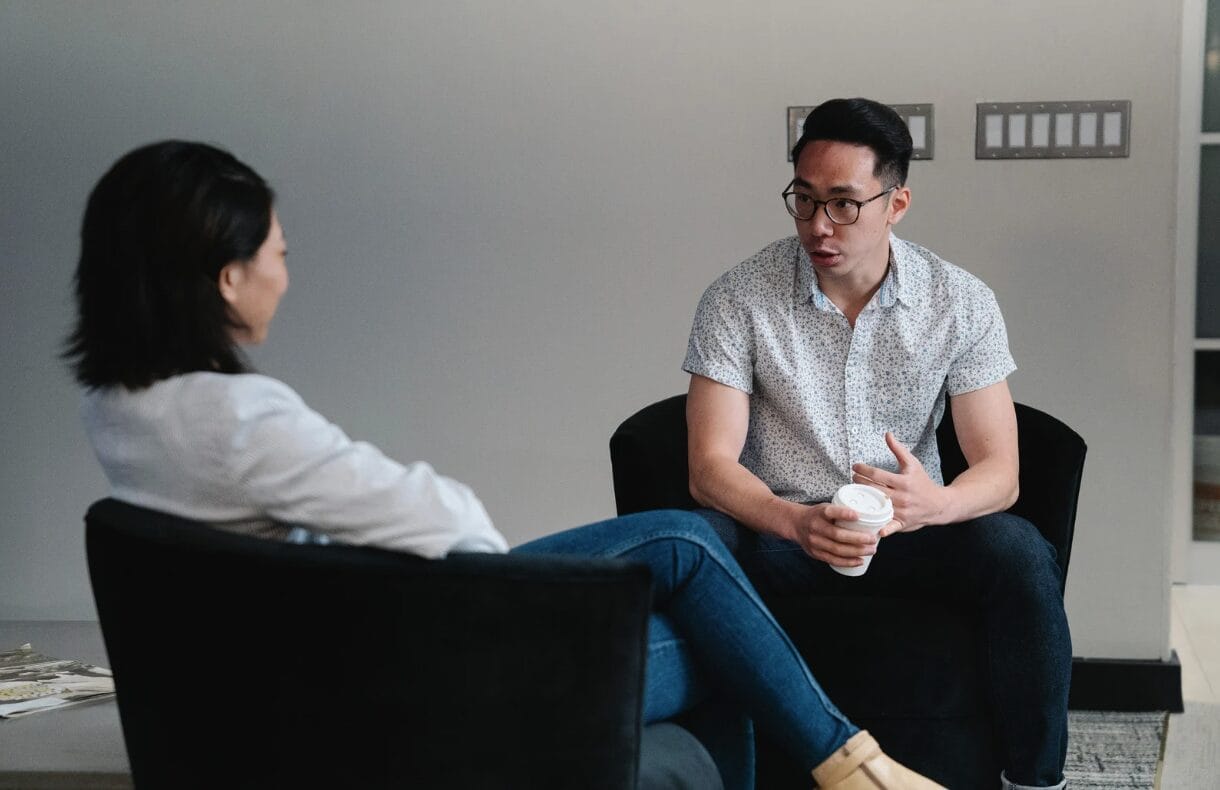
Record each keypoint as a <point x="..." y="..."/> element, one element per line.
<point x="873" y="510"/>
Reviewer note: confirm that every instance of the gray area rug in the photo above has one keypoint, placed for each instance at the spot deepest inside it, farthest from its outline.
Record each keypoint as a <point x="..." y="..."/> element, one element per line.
<point x="1108" y="749"/>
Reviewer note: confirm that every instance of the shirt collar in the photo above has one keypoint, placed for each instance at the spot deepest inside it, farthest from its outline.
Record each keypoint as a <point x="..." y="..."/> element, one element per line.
<point x="902" y="282"/>
<point x="908" y="271"/>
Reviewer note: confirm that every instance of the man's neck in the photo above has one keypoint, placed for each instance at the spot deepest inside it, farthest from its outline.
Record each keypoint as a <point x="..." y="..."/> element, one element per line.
<point x="851" y="295"/>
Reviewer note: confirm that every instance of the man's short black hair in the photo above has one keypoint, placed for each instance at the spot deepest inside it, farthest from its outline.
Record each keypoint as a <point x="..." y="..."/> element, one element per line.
<point x="158" y="228"/>
<point x="862" y="122"/>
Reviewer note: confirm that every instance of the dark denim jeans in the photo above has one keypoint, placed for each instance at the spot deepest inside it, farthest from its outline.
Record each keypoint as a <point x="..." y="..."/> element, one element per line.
<point x="1001" y="567"/>
<point x="710" y="623"/>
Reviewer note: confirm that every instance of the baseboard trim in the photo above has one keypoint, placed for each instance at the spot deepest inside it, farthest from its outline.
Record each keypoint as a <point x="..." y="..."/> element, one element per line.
<point x="1126" y="684"/>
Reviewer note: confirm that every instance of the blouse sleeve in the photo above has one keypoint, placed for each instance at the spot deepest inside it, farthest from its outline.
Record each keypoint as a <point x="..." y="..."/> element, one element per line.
<point x="303" y="470"/>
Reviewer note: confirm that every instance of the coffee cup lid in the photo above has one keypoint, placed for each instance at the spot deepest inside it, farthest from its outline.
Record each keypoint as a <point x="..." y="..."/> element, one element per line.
<point x="868" y="502"/>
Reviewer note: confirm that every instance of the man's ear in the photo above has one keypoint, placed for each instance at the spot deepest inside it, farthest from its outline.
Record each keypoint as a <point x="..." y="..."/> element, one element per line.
<point x="229" y="281"/>
<point x="899" y="203"/>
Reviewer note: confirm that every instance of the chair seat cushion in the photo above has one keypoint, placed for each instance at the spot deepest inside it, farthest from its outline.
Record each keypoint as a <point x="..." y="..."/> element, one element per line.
<point x="671" y="758"/>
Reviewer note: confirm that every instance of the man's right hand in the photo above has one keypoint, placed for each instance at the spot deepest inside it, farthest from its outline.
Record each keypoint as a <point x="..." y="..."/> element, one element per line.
<point x="814" y="530"/>
<point x="717" y="418"/>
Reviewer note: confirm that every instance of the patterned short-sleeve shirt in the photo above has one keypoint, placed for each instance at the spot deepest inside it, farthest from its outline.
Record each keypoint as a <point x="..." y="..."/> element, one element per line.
<point x="822" y="394"/>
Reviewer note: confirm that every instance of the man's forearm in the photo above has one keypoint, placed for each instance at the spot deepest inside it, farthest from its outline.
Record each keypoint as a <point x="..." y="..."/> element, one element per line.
<point x="987" y="487"/>
<point x="986" y="427"/>
<point x="732" y="489"/>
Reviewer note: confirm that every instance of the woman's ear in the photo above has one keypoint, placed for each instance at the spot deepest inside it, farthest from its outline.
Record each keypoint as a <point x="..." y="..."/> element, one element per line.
<point x="229" y="281"/>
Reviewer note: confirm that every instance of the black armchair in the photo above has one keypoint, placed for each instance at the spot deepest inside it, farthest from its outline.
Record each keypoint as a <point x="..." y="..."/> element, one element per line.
<point x="242" y="662"/>
<point x="928" y="710"/>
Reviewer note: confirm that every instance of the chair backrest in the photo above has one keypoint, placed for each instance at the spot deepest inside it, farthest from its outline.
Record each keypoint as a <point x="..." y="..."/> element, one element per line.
<point x="1052" y="466"/>
<point x="242" y="662"/>
<point x="648" y="456"/>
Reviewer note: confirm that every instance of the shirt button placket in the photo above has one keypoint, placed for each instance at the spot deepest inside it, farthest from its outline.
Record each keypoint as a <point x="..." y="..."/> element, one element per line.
<point x="853" y="400"/>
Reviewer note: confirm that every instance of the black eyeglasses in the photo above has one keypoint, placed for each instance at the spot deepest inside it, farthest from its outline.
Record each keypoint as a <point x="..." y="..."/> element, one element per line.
<point x="840" y="211"/>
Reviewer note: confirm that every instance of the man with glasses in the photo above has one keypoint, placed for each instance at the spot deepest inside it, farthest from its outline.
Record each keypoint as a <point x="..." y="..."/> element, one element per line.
<point x="825" y="359"/>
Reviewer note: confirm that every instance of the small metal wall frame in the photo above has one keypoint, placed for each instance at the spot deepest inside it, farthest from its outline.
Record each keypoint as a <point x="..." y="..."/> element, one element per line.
<point x="917" y="117"/>
<point x="796" y="123"/>
<point x="1053" y="129"/>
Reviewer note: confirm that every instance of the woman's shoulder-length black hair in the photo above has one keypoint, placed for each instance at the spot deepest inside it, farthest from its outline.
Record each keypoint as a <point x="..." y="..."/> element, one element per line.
<point x="158" y="228"/>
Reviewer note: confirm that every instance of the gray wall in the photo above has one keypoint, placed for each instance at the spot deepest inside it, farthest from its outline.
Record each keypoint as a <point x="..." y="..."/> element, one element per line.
<point x="501" y="217"/>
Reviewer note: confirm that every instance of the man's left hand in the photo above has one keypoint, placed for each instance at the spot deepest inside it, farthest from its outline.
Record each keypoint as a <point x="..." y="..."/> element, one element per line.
<point x="918" y="501"/>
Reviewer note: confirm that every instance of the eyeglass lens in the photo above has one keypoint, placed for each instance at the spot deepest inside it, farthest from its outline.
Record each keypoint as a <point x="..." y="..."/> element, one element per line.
<point x="840" y="210"/>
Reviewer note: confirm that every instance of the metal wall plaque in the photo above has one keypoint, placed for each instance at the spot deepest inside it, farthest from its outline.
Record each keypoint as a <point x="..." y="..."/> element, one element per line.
<point x="918" y="118"/>
<point x="1053" y="129"/>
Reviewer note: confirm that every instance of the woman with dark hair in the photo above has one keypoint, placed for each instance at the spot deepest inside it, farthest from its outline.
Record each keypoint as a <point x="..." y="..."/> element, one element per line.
<point x="159" y="229"/>
<point x="182" y="261"/>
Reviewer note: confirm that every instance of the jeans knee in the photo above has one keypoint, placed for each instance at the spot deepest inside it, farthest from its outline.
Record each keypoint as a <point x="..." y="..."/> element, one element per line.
<point x="1014" y="552"/>
<point x="677" y="526"/>
<point x="733" y="535"/>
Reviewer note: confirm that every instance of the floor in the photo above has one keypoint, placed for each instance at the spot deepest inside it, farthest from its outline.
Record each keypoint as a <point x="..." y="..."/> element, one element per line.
<point x="1192" y="747"/>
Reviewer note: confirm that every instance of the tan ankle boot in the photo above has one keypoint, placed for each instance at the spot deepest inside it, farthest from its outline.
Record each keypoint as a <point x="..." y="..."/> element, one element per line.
<point x="860" y="764"/>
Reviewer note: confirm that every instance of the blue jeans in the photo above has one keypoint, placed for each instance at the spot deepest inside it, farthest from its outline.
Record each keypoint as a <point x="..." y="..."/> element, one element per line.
<point x="1000" y="567"/>
<point x="709" y="624"/>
